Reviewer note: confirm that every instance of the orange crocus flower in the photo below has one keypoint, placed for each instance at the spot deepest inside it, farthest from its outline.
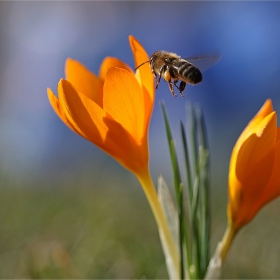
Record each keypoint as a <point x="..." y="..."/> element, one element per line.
<point x="113" y="112"/>
<point x="254" y="171"/>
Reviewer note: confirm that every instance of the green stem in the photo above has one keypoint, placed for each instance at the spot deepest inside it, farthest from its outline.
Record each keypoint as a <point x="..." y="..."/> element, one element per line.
<point x="227" y="240"/>
<point x="150" y="192"/>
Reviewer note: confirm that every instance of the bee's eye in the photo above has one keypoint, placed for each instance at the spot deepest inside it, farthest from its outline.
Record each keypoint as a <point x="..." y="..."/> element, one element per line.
<point x="169" y="60"/>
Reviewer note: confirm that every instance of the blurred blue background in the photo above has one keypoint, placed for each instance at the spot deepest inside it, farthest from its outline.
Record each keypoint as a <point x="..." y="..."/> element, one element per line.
<point x="37" y="151"/>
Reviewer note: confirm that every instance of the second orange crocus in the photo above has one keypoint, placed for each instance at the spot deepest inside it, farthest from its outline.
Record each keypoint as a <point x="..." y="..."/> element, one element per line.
<point x="254" y="177"/>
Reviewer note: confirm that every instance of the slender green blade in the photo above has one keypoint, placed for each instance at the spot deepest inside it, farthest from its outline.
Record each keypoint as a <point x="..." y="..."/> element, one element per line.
<point x="205" y="214"/>
<point x="196" y="217"/>
<point x="205" y="193"/>
<point x="188" y="226"/>
<point x="177" y="184"/>
<point x="187" y="163"/>
<point x="173" y="154"/>
<point x="194" y="232"/>
<point x="202" y="131"/>
<point x="192" y="133"/>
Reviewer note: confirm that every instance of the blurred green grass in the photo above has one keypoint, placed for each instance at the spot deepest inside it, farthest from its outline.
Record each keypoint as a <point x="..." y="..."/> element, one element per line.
<point x="77" y="232"/>
<point x="108" y="232"/>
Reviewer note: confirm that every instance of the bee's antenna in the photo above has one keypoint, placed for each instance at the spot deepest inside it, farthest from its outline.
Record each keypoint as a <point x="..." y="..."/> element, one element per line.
<point x="141" y="64"/>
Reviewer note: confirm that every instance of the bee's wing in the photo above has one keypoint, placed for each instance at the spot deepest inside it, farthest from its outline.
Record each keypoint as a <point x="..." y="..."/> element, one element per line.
<point x="204" y="62"/>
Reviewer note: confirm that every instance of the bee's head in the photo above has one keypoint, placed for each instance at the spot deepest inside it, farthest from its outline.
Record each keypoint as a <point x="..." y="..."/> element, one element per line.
<point x="153" y="57"/>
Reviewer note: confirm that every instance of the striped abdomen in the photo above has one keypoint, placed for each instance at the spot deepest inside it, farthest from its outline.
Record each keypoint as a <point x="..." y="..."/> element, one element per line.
<point x="187" y="72"/>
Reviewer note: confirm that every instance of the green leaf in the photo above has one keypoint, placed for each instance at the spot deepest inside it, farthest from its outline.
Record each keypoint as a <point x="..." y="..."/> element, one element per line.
<point x="205" y="192"/>
<point x="169" y="209"/>
<point x="187" y="163"/>
<point x="194" y="228"/>
<point x="178" y="186"/>
<point x="192" y="134"/>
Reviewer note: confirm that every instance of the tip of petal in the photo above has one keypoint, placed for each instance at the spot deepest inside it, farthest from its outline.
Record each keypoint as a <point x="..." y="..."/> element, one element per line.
<point x="266" y="109"/>
<point x="71" y="67"/>
<point x="133" y="42"/>
<point x="49" y="91"/>
<point x="110" y="62"/>
<point x="69" y="60"/>
<point x="145" y="75"/>
<point x="138" y="50"/>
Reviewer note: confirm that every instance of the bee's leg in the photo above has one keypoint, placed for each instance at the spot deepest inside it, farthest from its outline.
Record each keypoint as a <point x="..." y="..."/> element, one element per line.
<point x="170" y="85"/>
<point x="178" y="87"/>
<point x="182" y="87"/>
<point x="167" y="77"/>
<point x="175" y="84"/>
<point x="162" y="70"/>
<point x="157" y="80"/>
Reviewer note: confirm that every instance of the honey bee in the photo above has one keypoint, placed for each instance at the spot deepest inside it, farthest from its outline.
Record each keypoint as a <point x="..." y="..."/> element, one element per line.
<point x="173" y="68"/>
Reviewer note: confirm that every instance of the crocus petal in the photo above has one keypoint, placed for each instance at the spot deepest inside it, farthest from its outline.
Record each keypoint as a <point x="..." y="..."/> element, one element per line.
<point x="59" y="110"/>
<point x="272" y="189"/>
<point x="251" y="167"/>
<point x="84" y="80"/>
<point x="141" y="56"/>
<point x="83" y="113"/>
<point x="123" y="100"/>
<point x="110" y="62"/>
<point x="94" y="124"/>
<point x="245" y="195"/>
<point x="116" y="119"/>
<point x="254" y="177"/>
<point x="121" y="146"/>
<point x="265" y="110"/>
<point x="278" y="134"/>
<point x="144" y="76"/>
<point x="255" y="147"/>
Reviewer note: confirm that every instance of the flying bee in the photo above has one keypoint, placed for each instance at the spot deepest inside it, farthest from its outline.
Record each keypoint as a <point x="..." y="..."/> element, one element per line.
<point x="173" y="69"/>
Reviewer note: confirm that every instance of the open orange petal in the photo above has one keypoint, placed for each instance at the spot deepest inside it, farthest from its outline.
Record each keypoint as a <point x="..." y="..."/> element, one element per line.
<point x="59" y="110"/>
<point x="83" y="113"/>
<point x="121" y="146"/>
<point x="84" y="80"/>
<point x="278" y="134"/>
<point x="110" y="62"/>
<point x="123" y="100"/>
<point x="116" y="119"/>
<point x="144" y="76"/>
<point x="141" y="56"/>
<point x="93" y="123"/>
